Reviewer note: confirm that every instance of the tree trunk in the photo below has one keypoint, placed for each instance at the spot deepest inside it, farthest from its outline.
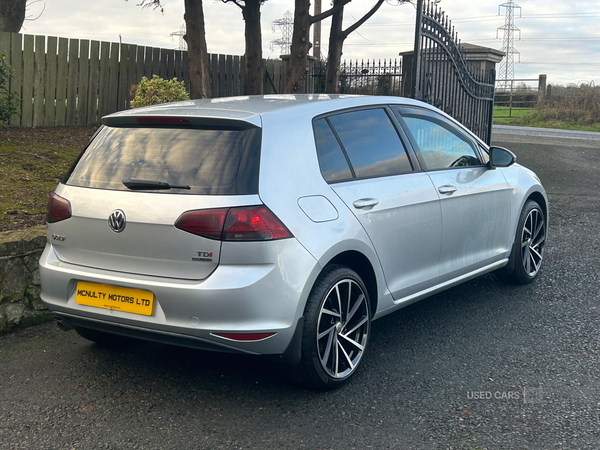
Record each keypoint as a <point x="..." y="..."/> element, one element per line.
<point x="337" y="36"/>
<point x="253" y="84"/>
<point x="334" y="57"/>
<point x="12" y="15"/>
<point x="298" y="67"/>
<point x="197" y="51"/>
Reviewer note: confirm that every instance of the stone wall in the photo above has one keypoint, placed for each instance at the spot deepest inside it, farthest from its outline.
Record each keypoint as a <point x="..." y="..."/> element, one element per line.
<point x="20" y="303"/>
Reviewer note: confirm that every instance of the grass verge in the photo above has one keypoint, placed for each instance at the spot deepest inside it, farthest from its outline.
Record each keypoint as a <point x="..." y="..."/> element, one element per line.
<point x="542" y="118"/>
<point x="539" y="118"/>
<point x="504" y="114"/>
<point x="575" y="107"/>
<point x="32" y="161"/>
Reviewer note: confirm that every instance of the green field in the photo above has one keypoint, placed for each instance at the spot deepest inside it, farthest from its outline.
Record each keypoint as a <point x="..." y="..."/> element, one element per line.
<point x="504" y="114"/>
<point x="529" y="117"/>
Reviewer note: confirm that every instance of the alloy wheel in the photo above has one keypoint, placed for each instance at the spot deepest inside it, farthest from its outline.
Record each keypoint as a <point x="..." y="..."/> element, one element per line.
<point x="533" y="239"/>
<point x="342" y="328"/>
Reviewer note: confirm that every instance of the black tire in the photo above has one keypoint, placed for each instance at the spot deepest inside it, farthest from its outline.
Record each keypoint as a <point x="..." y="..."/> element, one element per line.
<point x="337" y="325"/>
<point x="527" y="253"/>
<point x="105" y="339"/>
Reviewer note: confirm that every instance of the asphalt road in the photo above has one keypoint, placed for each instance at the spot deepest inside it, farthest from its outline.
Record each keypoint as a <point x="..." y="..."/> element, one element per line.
<point x="481" y="366"/>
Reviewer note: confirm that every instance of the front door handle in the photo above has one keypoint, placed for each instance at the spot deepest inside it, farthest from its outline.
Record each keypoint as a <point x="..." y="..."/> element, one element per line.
<point x="447" y="189"/>
<point x="365" y="202"/>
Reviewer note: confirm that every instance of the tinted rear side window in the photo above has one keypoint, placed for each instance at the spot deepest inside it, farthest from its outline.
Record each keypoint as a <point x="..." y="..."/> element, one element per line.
<point x="371" y="142"/>
<point x="332" y="161"/>
<point x="210" y="161"/>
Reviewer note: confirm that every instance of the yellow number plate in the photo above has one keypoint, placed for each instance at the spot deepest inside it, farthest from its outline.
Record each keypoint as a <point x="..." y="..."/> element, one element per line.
<point x="134" y="301"/>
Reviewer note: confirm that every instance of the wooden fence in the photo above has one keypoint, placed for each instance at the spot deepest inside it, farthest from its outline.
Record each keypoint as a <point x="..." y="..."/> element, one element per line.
<point x="77" y="81"/>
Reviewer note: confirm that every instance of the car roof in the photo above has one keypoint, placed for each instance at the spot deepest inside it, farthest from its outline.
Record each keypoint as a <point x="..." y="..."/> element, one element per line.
<point x="250" y="108"/>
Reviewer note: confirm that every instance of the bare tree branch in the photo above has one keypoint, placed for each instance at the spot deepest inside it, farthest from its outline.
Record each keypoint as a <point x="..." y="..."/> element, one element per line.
<point x="363" y="19"/>
<point x="152" y="3"/>
<point x="329" y="12"/>
<point x="40" y="14"/>
<point x="235" y="2"/>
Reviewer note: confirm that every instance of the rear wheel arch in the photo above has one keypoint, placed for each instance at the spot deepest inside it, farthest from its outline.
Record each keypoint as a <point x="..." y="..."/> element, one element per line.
<point x="351" y="259"/>
<point x="335" y="329"/>
<point x="362" y="266"/>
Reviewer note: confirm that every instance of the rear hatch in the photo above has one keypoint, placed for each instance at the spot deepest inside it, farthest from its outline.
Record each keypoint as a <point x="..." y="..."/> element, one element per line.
<point x="135" y="180"/>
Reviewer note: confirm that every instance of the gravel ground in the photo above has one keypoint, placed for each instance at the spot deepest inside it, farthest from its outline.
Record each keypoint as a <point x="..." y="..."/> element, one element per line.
<point x="481" y="366"/>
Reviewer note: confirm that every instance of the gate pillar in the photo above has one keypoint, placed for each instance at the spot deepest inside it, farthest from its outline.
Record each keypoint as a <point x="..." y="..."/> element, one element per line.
<point x="478" y="57"/>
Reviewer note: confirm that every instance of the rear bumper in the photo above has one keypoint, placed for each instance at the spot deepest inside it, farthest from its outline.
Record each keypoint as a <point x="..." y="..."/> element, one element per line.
<point x="291" y="355"/>
<point x="242" y="298"/>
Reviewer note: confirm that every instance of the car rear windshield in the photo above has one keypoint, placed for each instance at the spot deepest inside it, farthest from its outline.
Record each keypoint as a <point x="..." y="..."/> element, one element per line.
<point x="209" y="161"/>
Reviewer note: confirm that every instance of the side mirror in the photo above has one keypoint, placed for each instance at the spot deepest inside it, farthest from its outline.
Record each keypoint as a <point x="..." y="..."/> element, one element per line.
<point x="501" y="157"/>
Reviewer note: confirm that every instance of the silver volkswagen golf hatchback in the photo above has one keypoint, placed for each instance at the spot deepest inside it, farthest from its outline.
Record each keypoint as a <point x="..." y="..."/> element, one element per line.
<point x="281" y="225"/>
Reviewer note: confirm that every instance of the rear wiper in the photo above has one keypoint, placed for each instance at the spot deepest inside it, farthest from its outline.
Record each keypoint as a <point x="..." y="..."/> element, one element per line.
<point x="149" y="185"/>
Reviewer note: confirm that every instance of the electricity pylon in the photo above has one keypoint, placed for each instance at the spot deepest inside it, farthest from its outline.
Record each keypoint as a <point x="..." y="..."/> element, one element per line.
<point x="180" y="34"/>
<point x="506" y="72"/>
<point x="286" y="26"/>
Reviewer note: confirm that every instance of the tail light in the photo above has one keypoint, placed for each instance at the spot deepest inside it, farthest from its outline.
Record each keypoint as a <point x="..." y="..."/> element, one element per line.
<point x="58" y="208"/>
<point x="255" y="223"/>
<point x="203" y="223"/>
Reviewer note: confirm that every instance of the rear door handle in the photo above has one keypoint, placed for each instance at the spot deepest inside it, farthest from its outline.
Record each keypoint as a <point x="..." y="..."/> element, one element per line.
<point x="365" y="202"/>
<point x="447" y="189"/>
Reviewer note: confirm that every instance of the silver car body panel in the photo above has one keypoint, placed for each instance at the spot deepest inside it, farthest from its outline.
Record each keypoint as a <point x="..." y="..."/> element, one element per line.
<point x="324" y="240"/>
<point x="524" y="183"/>
<point x="250" y="291"/>
<point x="149" y="244"/>
<point x="264" y="286"/>
<point x="405" y="227"/>
<point x="476" y="218"/>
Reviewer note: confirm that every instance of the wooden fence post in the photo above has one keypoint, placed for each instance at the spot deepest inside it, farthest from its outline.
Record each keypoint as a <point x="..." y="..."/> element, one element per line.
<point x="222" y="80"/>
<point x="92" y="100"/>
<point x="16" y="83"/>
<point x="72" y="82"/>
<point x="214" y="70"/>
<point x="123" y="77"/>
<point x="39" y="80"/>
<point x="113" y="75"/>
<point x="133" y="76"/>
<point x="82" y="91"/>
<point x="28" y="69"/>
<point x="62" y="67"/>
<point x="140" y="63"/>
<point x="50" y="88"/>
<point x="148" y="62"/>
<point x="104" y="80"/>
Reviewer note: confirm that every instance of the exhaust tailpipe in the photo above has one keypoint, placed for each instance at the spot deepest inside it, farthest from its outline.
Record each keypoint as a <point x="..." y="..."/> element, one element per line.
<point x="63" y="326"/>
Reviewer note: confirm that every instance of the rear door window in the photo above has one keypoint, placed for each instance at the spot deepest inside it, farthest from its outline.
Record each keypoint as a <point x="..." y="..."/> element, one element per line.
<point x="209" y="161"/>
<point x="367" y="139"/>
<point x="371" y="142"/>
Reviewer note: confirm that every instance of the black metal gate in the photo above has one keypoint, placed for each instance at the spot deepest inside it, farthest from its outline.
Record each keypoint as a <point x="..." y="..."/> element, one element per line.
<point x="370" y="77"/>
<point x="443" y="77"/>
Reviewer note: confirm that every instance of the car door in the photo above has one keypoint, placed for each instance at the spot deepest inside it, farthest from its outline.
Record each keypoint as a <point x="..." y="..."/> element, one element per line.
<point x="474" y="199"/>
<point x="366" y="164"/>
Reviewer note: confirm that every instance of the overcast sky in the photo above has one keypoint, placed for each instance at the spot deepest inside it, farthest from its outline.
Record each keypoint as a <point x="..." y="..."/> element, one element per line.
<point x="558" y="38"/>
